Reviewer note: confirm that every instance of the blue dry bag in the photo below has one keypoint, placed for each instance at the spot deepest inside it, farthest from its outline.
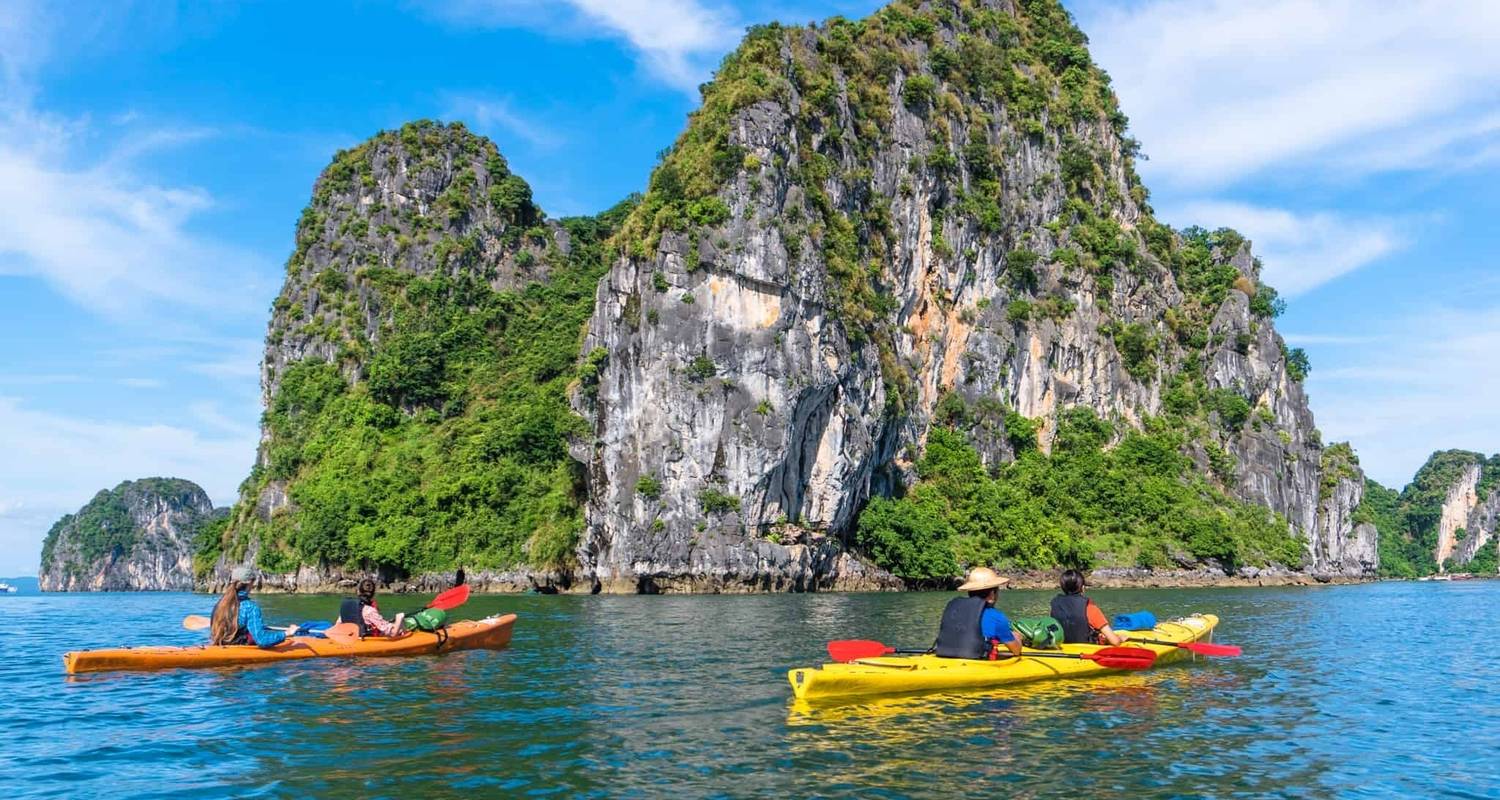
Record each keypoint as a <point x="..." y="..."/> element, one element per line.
<point x="1139" y="621"/>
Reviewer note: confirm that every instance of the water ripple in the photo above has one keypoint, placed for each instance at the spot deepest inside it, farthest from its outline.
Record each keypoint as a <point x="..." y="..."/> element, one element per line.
<point x="1363" y="691"/>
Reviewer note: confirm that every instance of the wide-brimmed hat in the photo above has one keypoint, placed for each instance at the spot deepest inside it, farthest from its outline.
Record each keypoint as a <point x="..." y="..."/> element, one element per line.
<point x="982" y="578"/>
<point x="242" y="575"/>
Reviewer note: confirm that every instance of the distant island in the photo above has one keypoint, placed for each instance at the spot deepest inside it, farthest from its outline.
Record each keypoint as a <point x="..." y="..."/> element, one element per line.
<point x="138" y="536"/>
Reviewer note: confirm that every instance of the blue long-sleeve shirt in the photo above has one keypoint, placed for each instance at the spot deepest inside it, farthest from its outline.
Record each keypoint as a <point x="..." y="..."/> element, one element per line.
<point x="993" y="625"/>
<point x="254" y="624"/>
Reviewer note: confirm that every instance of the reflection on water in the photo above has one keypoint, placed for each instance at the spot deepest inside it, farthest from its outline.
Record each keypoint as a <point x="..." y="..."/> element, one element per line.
<point x="687" y="696"/>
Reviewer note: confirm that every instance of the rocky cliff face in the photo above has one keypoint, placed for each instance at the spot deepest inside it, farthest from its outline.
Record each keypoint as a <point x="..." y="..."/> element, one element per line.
<point x="1470" y="510"/>
<point x="414" y="376"/>
<point x="1479" y="529"/>
<point x="868" y="217"/>
<point x="139" y="536"/>
<point x="1445" y="519"/>
<point x="1453" y="514"/>
<point x="1340" y="544"/>
<point x="425" y="200"/>
<point x="866" y="227"/>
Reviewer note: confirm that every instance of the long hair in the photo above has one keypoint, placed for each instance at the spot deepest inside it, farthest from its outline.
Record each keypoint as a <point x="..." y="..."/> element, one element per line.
<point x="366" y="592"/>
<point x="226" y="619"/>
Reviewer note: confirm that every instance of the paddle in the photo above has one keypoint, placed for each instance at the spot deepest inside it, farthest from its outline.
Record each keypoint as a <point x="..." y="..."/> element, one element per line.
<point x="451" y="599"/>
<point x="343" y="633"/>
<point x="1201" y="648"/>
<point x="1108" y="657"/>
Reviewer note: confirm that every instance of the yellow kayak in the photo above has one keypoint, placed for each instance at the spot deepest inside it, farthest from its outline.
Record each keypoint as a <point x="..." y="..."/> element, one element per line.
<point x="486" y="634"/>
<point x="929" y="673"/>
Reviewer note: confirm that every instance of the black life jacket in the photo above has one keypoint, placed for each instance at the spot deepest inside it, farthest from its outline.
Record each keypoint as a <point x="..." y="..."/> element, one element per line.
<point x="1072" y="611"/>
<point x="351" y="610"/>
<point x="959" y="634"/>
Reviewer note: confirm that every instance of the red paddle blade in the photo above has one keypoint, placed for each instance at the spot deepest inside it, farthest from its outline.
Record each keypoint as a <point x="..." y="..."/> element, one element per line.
<point x="1209" y="649"/>
<point x="854" y="649"/>
<point x="451" y="599"/>
<point x="1122" y="657"/>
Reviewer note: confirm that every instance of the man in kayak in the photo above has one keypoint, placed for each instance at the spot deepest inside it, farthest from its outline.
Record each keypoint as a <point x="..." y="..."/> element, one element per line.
<point x="972" y="627"/>
<point x="362" y="611"/>
<point x="1082" y="621"/>
<point x="237" y="618"/>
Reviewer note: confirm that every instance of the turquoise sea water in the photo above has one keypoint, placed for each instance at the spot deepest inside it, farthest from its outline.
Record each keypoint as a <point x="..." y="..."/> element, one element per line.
<point x="1381" y="690"/>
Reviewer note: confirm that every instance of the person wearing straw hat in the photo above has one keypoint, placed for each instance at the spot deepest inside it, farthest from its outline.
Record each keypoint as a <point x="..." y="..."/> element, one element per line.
<point x="972" y="627"/>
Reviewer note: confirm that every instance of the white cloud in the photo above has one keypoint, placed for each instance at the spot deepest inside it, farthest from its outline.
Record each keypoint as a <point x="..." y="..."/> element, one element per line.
<point x="678" y="41"/>
<point x="23" y="45"/>
<point x="1300" y="251"/>
<point x="674" y="36"/>
<point x="98" y="230"/>
<point x="497" y="112"/>
<point x="141" y="383"/>
<point x="54" y="463"/>
<point x="49" y="379"/>
<point x="110" y="240"/>
<point x="1429" y="384"/>
<point x="1334" y="340"/>
<point x="1222" y="90"/>
<point x="238" y="359"/>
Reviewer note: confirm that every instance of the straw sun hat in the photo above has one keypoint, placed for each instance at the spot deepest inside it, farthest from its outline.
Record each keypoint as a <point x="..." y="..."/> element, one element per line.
<point x="982" y="578"/>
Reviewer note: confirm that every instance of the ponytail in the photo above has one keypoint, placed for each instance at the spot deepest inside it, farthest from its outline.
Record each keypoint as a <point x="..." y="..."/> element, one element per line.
<point x="226" y="619"/>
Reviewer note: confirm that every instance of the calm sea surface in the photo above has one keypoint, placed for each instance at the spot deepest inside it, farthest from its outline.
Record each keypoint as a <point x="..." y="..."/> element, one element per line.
<point x="1382" y="690"/>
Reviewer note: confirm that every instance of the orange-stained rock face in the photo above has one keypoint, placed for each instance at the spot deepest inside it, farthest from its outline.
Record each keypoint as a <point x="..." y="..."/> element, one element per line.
<point x="952" y="220"/>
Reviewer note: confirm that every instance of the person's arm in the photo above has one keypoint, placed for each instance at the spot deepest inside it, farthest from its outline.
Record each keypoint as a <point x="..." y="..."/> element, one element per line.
<point x="255" y="624"/>
<point x="996" y="628"/>
<point x="377" y="623"/>
<point x="1100" y="624"/>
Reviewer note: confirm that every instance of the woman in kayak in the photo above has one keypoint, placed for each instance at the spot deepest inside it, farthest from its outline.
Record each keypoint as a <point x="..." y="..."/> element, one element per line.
<point x="1082" y="621"/>
<point x="972" y="627"/>
<point x="363" y="611"/>
<point x="237" y="618"/>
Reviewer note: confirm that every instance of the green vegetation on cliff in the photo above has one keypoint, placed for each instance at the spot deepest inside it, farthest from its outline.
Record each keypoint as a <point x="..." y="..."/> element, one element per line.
<point x="106" y="526"/>
<point x="438" y="437"/>
<point x="1139" y="502"/>
<point x="1034" y="65"/>
<point x="452" y="451"/>
<point x="1408" y="521"/>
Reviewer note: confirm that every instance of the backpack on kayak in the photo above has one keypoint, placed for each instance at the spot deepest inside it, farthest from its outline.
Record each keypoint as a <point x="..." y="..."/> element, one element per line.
<point x="1042" y="633"/>
<point x="428" y="619"/>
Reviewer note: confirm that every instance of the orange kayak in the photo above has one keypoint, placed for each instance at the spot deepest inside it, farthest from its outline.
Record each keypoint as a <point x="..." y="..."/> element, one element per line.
<point x="492" y="633"/>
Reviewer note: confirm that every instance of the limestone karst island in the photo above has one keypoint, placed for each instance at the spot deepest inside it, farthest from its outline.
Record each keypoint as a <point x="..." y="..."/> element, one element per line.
<point x="998" y="395"/>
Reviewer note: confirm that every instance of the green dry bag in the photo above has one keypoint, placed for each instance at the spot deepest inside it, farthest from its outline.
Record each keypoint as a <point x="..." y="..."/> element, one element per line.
<point x="1043" y="633"/>
<point x="428" y="619"/>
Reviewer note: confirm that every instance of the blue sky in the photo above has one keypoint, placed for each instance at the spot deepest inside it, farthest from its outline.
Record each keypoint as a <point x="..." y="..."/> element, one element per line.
<point x="154" y="158"/>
